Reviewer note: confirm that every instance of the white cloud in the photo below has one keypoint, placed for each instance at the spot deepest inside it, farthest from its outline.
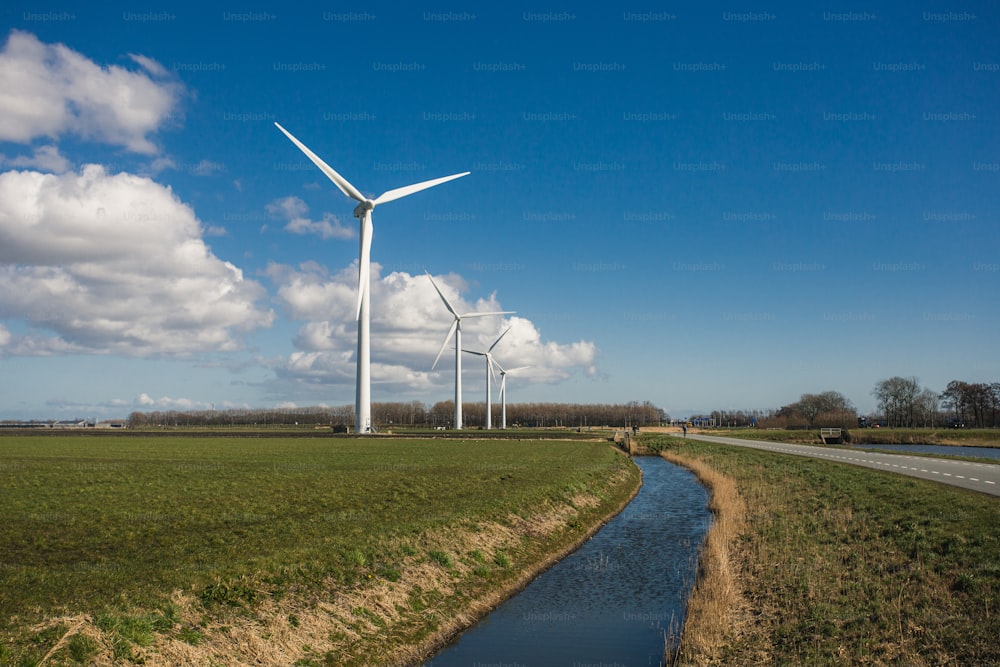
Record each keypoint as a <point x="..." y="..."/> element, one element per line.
<point x="408" y="324"/>
<point x="145" y="402"/>
<point x="46" y="158"/>
<point x="150" y="65"/>
<point x="294" y="211"/>
<point x="47" y="90"/>
<point x="161" y="164"/>
<point x="115" y="263"/>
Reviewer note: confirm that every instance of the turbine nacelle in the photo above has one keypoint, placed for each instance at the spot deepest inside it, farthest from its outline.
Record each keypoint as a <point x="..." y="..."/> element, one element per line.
<point x="364" y="207"/>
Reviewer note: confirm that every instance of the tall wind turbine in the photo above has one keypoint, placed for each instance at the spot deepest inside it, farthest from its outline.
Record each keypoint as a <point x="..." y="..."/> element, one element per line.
<point x="503" y="391"/>
<point x="489" y="373"/>
<point x="456" y="328"/>
<point x="363" y="211"/>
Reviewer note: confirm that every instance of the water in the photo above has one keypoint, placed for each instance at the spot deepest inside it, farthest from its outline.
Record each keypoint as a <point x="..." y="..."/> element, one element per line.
<point x="982" y="452"/>
<point x="611" y="601"/>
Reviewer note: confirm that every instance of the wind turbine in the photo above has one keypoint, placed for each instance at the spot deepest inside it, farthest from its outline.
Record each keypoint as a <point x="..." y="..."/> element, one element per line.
<point x="503" y="391"/>
<point x="456" y="328"/>
<point x="489" y="372"/>
<point x="363" y="211"/>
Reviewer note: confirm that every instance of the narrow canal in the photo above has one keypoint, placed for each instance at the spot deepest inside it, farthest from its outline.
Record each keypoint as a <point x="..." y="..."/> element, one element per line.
<point x="615" y="599"/>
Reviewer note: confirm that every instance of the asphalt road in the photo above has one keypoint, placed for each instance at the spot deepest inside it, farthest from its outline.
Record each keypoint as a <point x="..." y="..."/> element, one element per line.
<point x="982" y="477"/>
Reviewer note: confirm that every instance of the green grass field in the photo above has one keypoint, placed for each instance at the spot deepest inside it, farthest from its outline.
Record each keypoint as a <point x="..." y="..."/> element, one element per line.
<point x="105" y="526"/>
<point x="983" y="437"/>
<point x="844" y="565"/>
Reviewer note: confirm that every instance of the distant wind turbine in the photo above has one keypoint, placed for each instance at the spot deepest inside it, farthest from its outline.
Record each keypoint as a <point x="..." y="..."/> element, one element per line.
<point x="489" y="373"/>
<point x="503" y="390"/>
<point x="456" y="328"/>
<point x="363" y="211"/>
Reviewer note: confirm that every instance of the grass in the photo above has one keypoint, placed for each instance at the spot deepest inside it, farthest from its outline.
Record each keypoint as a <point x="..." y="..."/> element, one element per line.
<point x="835" y="564"/>
<point x="187" y="538"/>
<point x="983" y="437"/>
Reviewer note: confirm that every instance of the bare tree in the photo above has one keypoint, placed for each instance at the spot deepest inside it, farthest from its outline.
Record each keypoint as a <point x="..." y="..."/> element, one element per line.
<point x="897" y="398"/>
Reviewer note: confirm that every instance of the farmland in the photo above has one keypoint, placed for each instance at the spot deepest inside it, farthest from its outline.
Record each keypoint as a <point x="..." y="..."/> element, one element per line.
<point x="312" y="548"/>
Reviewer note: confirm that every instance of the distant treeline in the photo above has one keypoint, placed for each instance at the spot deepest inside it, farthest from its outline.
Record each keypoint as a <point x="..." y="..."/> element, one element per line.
<point x="415" y="414"/>
<point x="902" y="402"/>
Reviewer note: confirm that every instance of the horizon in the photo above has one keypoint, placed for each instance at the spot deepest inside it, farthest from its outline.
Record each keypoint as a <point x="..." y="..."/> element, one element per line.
<point x="692" y="205"/>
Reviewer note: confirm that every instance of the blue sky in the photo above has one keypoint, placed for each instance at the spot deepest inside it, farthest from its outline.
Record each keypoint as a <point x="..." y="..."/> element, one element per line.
<point x="705" y="207"/>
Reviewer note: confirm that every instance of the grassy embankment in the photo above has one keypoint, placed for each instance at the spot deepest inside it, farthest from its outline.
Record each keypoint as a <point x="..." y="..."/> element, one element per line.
<point x="118" y="550"/>
<point x="811" y="562"/>
<point x="983" y="437"/>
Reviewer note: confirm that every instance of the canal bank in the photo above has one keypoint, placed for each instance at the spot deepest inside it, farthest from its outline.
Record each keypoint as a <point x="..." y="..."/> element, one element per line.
<point x="618" y="599"/>
<point x="552" y="538"/>
<point x="834" y="564"/>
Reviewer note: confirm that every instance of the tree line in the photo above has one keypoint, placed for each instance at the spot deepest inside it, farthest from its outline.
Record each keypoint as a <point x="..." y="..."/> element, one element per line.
<point x="901" y="401"/>
<point x="414" y="414"/>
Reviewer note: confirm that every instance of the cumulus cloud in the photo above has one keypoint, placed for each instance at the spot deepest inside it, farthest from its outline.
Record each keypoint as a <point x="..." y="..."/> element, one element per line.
<point x="408" y="324"/>
<point x="47" y="90"/>
<point x="115" y="263"/>
<point x="46" y="158"/>
<point x="294" y="210"/>
<point x="146" y="402"/>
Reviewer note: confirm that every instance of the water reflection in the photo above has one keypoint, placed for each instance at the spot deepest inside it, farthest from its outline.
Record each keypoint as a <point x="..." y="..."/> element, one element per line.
<point x="613" y="600"/>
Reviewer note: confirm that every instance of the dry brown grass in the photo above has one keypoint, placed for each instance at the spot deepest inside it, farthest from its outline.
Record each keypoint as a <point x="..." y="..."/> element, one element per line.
<point x="717" y="609"/>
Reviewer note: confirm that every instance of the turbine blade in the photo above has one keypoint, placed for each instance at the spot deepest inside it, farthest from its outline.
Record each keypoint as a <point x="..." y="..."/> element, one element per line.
<point x="364" y="262"/>
<point x="391" y="195"/>
<point x="499" y="337"/>
<point x="337" y="179"/>
<point x="446" y="304"/>
<point x="489" y="365"/>
<point x="478" y="354"/>
<point x="501" y="312"/>
<point x="454" y="325"/>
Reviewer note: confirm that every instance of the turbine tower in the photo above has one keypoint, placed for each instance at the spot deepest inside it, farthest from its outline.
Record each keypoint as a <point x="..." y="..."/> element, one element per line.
<point x="363" y="211"/>
<point x="489" y="373"/>
<point x="503" y="391"/>
<point x="456" y="328"/>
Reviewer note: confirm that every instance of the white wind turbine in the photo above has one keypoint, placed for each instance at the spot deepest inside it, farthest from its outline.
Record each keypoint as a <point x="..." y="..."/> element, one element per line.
<point x="456" y="328"/>
<point x="489" y="373"/>
<point x="503" y="390"/>
<point x="363" y="211"/>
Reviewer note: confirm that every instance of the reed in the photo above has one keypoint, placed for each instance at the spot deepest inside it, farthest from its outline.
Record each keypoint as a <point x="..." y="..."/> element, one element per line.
<point x="716" y="608"/>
